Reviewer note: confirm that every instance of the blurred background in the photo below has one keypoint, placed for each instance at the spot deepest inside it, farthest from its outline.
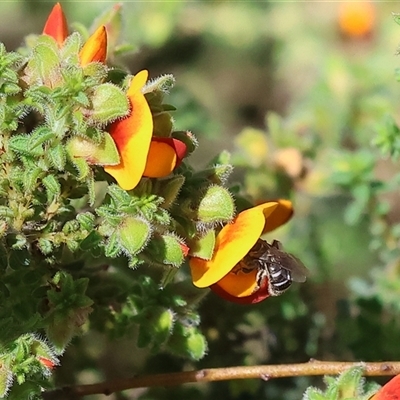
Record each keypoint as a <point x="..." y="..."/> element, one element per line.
<point x="305" y="97"/>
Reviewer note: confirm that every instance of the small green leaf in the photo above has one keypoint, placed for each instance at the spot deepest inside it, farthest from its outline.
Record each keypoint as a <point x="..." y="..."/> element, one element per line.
<point x="53" y="188"/>
<point x="91" y="241"/>
<point x="57" y="156"/>
<point x="203" y="246"/>
<point x="112" y="247"/>
<point x="166" y="249"/>
<point x="133" y="234"/>
<point x="216" y="205"/>
<point x="109" y="102"/>
<point x="31" y="177"/>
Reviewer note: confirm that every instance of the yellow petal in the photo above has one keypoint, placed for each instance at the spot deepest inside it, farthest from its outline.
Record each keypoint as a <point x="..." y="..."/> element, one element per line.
<point x="95" y="48"/>
<point x="132" y="136"/>
<point x="233" y="242"/>
<point x="281" y="214"/>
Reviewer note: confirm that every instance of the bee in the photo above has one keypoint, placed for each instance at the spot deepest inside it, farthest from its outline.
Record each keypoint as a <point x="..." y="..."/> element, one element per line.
<point x="281" y="269"/>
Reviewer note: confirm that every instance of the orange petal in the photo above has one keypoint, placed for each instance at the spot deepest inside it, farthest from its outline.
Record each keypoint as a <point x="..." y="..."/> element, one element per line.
<point x="132" y="136"/>
<point x="56" y="25"/>
<point x="390" y="391"/>
<point x="164" y="156"/>
<point x="356" y="19"/>
<point x="161" y="160"/>
<point x="256" y="297"/>
<point x="239" y="284"/>
<point x="282" y="213"/>
<point x="95" y="48"/>
<point x="233" y="242"/>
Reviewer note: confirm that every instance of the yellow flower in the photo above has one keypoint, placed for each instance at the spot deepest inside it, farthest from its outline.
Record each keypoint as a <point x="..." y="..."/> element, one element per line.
<point x="233" y="243"/>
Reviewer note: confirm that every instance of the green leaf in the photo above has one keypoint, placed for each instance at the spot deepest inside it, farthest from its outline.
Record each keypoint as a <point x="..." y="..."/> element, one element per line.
<point x="103" y="153"/>
<point x="166" y="249"/>
<point x="112" y="247"/>
<point x="53" y="188"/>
<point x="57" y="156"/>
<point x="133" y="234"/>
<point x="216" y="205"/>
<point x="109" y="102"/>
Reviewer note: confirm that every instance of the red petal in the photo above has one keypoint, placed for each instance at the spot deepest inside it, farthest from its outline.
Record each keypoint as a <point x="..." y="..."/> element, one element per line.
<point x="56" y="25"/>
<point x="390" y="391"/>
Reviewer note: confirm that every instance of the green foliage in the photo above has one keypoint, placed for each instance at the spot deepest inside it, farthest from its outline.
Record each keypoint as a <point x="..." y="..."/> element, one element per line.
<point x="82" y="260"/>
<point x="348" y="385"/>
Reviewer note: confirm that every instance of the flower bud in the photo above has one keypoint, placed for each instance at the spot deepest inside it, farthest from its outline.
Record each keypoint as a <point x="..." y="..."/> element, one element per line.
<point x="187" y="342"/>
<point x="158" y="324"/>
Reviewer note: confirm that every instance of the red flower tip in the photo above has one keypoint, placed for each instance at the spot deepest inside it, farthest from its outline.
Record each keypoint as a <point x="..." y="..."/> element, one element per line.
<point x="185" y="249"/>
<point x="50" y="364"/>
<point x="56" y="25"/>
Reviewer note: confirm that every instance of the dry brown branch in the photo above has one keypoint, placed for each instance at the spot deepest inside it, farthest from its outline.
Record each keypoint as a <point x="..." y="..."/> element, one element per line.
<point x="313" y="367"/>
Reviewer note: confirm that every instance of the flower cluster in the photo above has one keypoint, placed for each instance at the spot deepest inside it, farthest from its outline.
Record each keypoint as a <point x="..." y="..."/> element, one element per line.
<point x="95" y="183"/>
<point x="141" y="153"/>
<point x="147" y="147"/>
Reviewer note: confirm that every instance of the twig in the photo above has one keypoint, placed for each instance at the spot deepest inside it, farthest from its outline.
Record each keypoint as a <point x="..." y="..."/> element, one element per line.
<point x="266" y="372"/>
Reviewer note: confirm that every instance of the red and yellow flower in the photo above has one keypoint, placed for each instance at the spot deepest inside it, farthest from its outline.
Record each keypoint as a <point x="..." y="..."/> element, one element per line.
<point x="141" y="153"/>
<point x="233" y="242"/>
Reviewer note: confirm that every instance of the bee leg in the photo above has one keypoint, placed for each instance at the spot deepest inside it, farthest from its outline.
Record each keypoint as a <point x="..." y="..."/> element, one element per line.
<point x="277" y="244"/>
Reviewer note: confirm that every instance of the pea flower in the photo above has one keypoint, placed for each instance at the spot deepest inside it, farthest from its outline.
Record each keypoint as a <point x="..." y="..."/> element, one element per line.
<point x="232" y="244"/>
<point x="141" y="153"/>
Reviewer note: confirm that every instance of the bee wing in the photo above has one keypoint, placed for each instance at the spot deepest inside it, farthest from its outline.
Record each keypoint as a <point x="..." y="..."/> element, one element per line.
<point x="288" y="261"/>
